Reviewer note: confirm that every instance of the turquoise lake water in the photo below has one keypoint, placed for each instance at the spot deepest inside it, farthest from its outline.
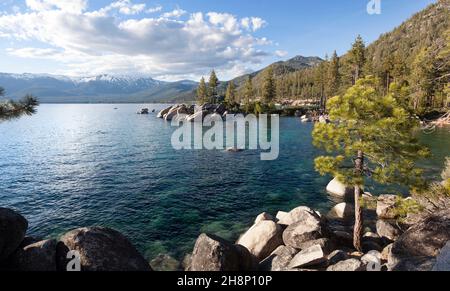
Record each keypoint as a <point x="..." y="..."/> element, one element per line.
<point x="70" y="166"/>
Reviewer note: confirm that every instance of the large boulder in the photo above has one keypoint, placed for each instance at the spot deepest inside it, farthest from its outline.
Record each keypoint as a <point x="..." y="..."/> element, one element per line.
<point x="342" y="211"/>
<point x="197" y="115"/>
<point x="418" y="247"/>
<point x="309" y="229"/>
<point x="298" y="214"/>
<point x="443" y="259"/>
<point x="173" y="112"/>
<point x="264" y="216"/>
<point x="337" y="256"/>
<point x="338" y="188"/>
<point x="311" y="256"/>
<point x="102" y="249"/>
<point x="279" y="260"/>
<point x="164" y="112"/>
<point x="262" y="238"/>
<point x="386" y="206"/>
<point x="164" y="262"/>
<point x="13" y="227"/>
<point x="350" y="265"/>
<point x="36" y="257"/>
<point x="387" y="230"/>
<point x="212" y="253"/>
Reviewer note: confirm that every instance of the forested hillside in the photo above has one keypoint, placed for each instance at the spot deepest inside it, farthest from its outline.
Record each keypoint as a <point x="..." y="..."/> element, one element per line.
<point x="416" y="55"/>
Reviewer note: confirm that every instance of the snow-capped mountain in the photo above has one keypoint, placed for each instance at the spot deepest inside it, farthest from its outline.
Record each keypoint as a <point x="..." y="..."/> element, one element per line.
<point x="101" y="88"/>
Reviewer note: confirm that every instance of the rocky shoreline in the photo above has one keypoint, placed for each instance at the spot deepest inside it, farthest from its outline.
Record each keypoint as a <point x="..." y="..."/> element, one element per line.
<point x="300" y="240"/>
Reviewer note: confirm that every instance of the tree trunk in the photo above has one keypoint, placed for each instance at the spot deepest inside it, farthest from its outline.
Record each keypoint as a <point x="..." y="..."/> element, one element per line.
<point x="357" y="230"/>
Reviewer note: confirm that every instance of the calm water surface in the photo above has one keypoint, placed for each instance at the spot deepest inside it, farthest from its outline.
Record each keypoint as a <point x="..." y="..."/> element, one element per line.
<point x="84" y="165"/>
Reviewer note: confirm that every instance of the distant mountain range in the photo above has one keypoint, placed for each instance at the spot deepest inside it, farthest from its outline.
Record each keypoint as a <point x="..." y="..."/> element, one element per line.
<point x="121" y="89"/>
<point x="97" y="89"/>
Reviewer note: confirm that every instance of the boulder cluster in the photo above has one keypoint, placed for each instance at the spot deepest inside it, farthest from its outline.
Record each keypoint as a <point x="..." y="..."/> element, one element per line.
<point x="96" y="249"/>
<point x="192" y="113"/>
<point x="305" y="240"/>
<point x="300" y="240"/>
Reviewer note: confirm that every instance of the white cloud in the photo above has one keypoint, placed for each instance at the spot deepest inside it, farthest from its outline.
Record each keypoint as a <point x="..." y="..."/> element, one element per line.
<point x="154" y="9"/>
<point x="104" y="42"/>
<point x="281" y="53"/>
<point x="174" y="13"/>
<point x="253" y="23"/>
<point x="71" y="6"/>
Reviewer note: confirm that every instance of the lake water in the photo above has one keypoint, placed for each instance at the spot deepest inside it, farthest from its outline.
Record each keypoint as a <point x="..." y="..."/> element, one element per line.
<point x="83" y="165"/>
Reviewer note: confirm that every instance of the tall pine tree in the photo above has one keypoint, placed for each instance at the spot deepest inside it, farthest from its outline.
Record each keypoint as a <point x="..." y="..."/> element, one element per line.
<point x="230" y="95"/>
<point x="269" y="87"/>
<point x="360" y="147"/>
<point x="357" y="58"/>
<point x="213" y="84"/>
<point x="202" y="92"/>
<point x="334" y="76"/>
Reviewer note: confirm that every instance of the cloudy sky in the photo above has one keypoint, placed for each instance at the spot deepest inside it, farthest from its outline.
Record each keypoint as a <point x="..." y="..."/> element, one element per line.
<point x="185" y="39"/>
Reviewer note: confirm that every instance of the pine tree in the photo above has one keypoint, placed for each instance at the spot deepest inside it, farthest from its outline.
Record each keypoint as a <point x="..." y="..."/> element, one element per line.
<point x="269" y="88"/>
<point x="230" y="95"/>
<point x="334" y="76"/>
<point x="320" y="81"/>
<point x="361" y="147"/>
<point x="213" y="84"/>
<point x="11" y="109"/>
<point x="358" y="57"/>
<point x="202" y="92"/>
<point x="422" y="76"/>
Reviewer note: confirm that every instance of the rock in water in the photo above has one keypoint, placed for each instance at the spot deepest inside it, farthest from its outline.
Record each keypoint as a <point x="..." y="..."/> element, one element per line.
<point x="279" y="260"/>
<point x="103" y="249"/>
<point x="312" y="256"/>
<point x="13" y="227"/>
<point x="164" y="112"/>
<point x="386" y="206"/>
<point x="212" y="253"/>
<point x="337" y="188"/>
<point x="342" y="211"/>
<point x="418" y="247"/>
<point x="262" y="238"/>
<point x="387" y="230"/>
<point x="36" y="257"/>
<point x="301" y="213"/>
<point x="351" y="265"/>
<point x="165" y="262"/>
<point x="443" y="260"/>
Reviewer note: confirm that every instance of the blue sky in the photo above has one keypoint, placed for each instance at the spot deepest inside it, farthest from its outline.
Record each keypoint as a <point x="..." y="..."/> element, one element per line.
<point x="182" y="39"/>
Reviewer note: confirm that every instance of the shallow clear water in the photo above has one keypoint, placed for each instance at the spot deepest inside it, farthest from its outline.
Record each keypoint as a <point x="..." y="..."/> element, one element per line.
<point x="84" y="165"/>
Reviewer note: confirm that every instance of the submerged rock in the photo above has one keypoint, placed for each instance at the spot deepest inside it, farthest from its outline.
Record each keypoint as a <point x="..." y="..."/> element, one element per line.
<point x="164" y="262"/>
<point x="13" y="227"/>
<point x="102" y="249"/>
